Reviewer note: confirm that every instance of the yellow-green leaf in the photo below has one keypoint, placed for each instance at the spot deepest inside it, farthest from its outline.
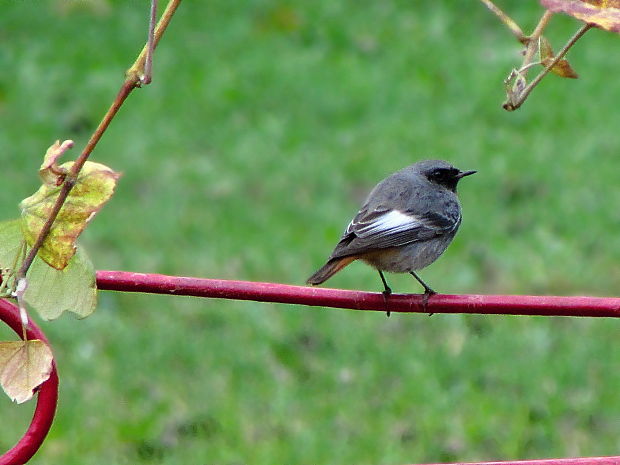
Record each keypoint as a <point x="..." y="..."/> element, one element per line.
<point x="52" y="292"/>
<point x="24" y="365"/>
<point x="11" y="242"/>
<point x="93" y="188"/>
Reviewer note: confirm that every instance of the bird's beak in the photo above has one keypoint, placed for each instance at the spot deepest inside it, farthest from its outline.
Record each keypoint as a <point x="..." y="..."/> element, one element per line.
<point x="462" y="174"/>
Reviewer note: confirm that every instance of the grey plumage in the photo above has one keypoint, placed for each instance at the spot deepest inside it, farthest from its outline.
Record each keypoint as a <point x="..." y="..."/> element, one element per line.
<point x="405" y="224"/>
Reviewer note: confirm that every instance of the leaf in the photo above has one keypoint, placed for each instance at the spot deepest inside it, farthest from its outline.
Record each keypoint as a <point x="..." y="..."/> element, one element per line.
<point x="93" y="188"/>
<point x="51" y="292"/>
<point x="544" y="49"/>
<point x="604" y="14"/>
<point x="24" y="365"/>
<point x="562" y="68"/>
<point x="49" y="171"/>
<point x="604" y="3"/>
<point x="514" y="85"/>
<point x="11" y="241"/>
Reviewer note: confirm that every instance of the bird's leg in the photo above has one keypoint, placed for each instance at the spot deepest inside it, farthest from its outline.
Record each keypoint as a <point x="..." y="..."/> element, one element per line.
<point x="387" y="290"/>
<point x="427" y="292"/>
<point x="427" y="289"/>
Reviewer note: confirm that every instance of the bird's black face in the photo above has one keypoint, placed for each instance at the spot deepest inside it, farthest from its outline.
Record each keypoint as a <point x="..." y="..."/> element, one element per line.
<point x="447" y="177"/>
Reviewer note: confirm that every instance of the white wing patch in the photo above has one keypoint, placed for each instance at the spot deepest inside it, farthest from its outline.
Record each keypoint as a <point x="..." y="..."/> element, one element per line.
<point x="393" y="221"/>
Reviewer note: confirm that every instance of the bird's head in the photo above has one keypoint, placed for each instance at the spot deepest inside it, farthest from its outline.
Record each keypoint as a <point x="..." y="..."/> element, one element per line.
<point x="442" y="173"/>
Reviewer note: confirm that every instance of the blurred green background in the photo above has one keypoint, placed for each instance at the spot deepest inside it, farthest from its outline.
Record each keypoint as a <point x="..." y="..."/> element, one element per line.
<point x="265" y="126"/>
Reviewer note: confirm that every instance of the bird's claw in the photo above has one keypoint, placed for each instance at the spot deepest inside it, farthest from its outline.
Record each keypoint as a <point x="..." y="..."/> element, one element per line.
<point x="427" y="293"/>
<point x="386" y="294"/>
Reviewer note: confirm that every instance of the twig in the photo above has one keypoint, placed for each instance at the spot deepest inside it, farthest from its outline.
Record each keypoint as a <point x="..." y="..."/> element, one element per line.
<point x="20" y="290"/>
<point x="514" y="27"/>
<point x="133" y="79"/>
<point x="513" y="105"/>
<point x="148" y="65"/>
<point x="532" y="41"/>
<point x="137" y="69"/>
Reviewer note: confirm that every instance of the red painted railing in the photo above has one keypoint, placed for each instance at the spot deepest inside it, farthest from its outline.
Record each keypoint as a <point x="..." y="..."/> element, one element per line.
<point x="301" y="295"/>
<point x="575" y="461"/>
<point x="357" y="300"/>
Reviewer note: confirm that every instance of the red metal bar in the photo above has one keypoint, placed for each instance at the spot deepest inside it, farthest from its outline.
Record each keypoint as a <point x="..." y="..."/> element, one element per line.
<point x="269" y="292"/>
<point x="572" y="461"/>
<point x="357" y="300"/>
<point x="47" y="399"/>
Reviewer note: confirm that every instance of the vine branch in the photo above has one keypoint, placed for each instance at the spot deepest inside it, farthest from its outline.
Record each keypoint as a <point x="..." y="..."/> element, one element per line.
<point x="532" y="40"/>
<point x="523" y="95"/>
<point x="150" y="45"/>
<point x="135" y="77"/>
<point x="507" y="20"/>
<point x="517" y="89"/>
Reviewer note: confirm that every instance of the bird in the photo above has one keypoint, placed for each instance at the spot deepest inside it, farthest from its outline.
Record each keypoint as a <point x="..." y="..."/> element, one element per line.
<point x="406" y="223"/>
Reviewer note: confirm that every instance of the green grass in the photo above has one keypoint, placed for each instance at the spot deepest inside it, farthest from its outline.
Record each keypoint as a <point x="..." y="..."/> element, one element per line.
<point x="265" y="126"/>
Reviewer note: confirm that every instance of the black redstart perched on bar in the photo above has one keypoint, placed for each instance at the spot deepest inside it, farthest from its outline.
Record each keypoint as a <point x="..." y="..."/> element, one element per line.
<point x="406" y="223"/>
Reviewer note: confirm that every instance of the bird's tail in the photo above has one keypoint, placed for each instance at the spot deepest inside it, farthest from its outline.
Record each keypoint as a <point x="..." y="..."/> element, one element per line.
<point x="328" y="270"/>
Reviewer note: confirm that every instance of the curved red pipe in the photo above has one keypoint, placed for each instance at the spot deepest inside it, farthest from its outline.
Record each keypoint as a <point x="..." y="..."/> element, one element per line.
<point x="47" y="399"/>
<point x="357" y="300"/>
<point x="281" y="293"/>
<point x="572" y="461"/>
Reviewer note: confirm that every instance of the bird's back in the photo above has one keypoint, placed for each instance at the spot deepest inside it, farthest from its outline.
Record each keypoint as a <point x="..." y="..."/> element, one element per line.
<point x="425" y="211"/>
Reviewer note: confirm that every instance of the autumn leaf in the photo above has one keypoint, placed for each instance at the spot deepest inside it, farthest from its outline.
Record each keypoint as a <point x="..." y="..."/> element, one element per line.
<point x="604" y="14"/>
<point x="24" y="365"/>
<point x="94" y="186"/>
<point x="562" y="68"/>
<point x="604" y="3"/>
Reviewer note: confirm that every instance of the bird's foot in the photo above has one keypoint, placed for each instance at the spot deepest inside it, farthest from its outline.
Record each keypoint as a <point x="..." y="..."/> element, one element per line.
<point x="386" y="295"/>
<point x="428" y="292"/>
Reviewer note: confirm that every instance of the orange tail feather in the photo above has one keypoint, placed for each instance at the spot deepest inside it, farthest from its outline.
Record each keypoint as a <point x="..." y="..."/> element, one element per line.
<point x="328" y="270"/>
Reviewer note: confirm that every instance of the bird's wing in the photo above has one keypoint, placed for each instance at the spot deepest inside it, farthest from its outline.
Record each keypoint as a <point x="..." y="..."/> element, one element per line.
<point x="382" y="228"/>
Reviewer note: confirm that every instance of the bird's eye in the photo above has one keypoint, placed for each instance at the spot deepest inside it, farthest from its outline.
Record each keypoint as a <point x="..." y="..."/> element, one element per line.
<point x="437" y="174"/>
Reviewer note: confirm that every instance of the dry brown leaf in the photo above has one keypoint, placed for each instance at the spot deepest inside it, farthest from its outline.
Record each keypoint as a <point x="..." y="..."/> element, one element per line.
<point x="24" y="366"/>
<point x="562" y="68"/>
